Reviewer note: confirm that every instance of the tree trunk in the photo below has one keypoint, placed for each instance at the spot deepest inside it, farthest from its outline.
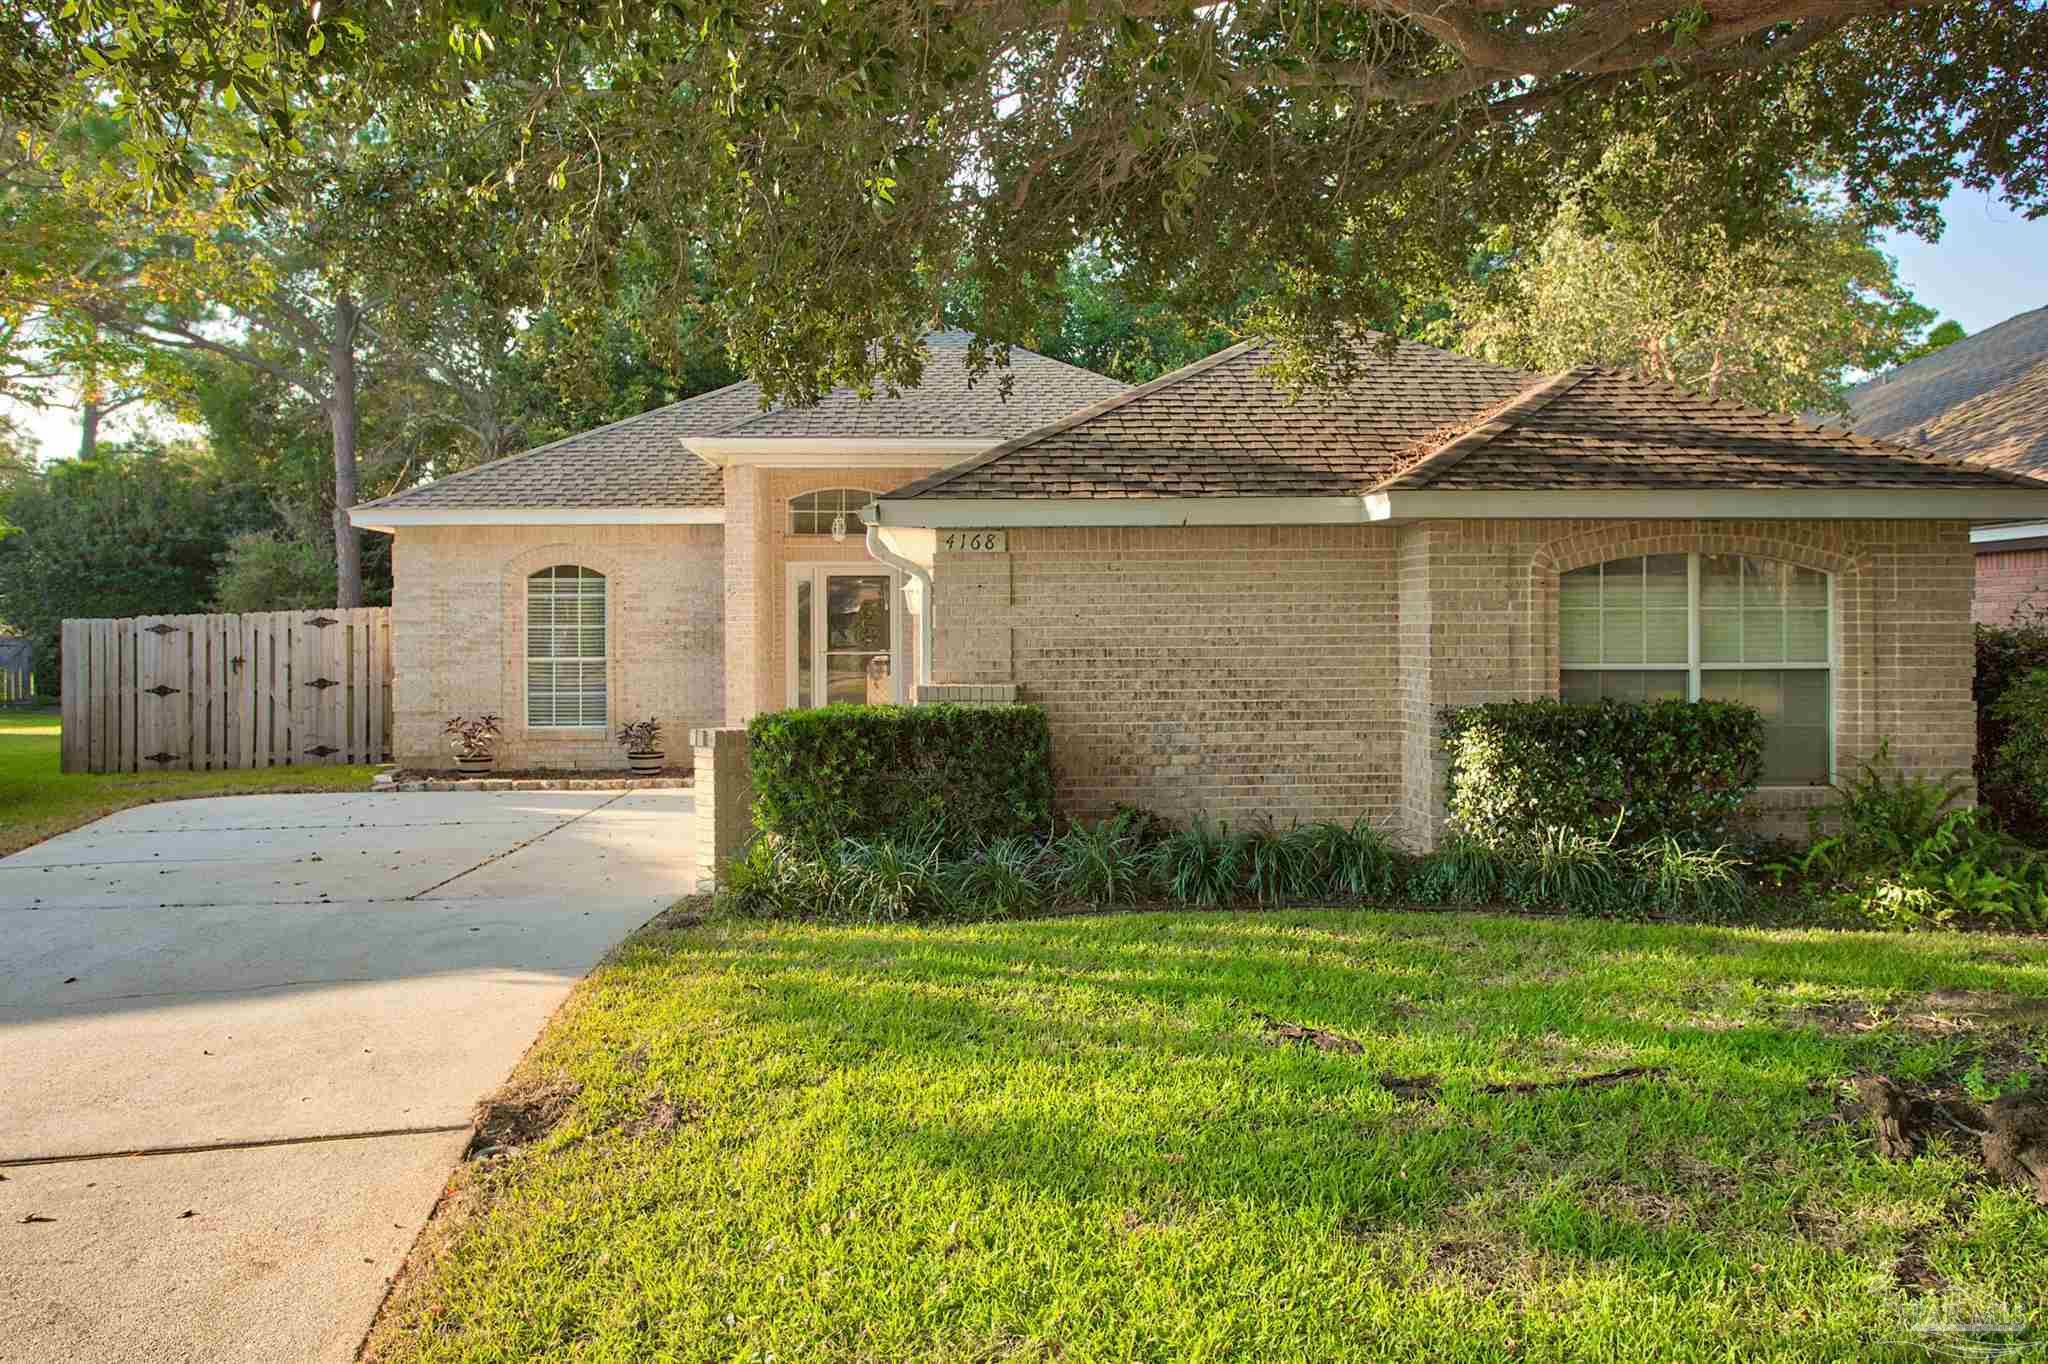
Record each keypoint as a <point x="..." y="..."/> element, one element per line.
<point x="341" y="416"/>
<point x="88" y="429"/>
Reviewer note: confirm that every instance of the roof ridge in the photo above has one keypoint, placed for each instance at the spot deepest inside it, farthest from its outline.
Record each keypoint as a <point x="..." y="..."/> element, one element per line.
<point x="933" y="482"/>
<point x="735" y="429"/>
<point x="1484" y="426"/>
<point x="501" y="461"/>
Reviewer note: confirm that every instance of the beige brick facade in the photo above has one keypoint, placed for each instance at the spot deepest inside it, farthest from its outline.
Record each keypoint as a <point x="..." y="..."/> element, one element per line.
<point x="1298" y="671"/>
<point x="759" y="550"/>
<point x="459" y="635"/>
<point x="2012" y="585"/>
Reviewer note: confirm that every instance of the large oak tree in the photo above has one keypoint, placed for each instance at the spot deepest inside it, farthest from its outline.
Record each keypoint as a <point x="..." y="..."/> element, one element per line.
<point x="844" y="165"/>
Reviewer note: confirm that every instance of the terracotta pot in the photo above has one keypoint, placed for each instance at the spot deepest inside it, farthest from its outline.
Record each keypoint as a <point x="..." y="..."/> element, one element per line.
<point x="647" y="764"/>
<point x="475" y="767"/>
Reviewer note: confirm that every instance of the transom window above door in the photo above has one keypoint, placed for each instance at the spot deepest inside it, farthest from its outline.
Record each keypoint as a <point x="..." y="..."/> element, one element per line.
<point x="1708" y="627"/>
<point x="815" y="513"/>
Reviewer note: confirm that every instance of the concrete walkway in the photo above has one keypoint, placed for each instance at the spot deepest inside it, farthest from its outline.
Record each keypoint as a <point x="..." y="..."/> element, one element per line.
<point x="240" y="1040"/>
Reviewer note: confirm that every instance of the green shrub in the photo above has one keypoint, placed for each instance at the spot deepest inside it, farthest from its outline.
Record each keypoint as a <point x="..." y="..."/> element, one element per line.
<point x="1203" y="864"/>
<point x="2005" y="654"/>
<point x="1687" y="883"/>
<point x="1100" y="864"/>
<point x="1681" y="768"/>
<point x="960" y="775"/>
<point x="1903" y="855"/>
<point x="1566" y="869"/>
<point x="1357" y="862"/>
<point x="1462" y="871"/>
<point x="2020" y="763"/>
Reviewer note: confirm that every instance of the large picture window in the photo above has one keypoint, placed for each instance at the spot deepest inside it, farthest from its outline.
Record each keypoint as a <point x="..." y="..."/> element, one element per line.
<point x="565" y="648"/>
<point x="1714" y="627"/>
<point x="814" y="513"/>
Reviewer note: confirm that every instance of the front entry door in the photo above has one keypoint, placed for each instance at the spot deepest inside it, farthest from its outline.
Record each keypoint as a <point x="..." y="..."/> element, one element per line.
<point x="845" y="634"/>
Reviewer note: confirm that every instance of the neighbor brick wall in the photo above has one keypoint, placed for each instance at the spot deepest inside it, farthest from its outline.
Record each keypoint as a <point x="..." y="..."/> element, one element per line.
<point x="2011" y="585"/>
<point x="1299" y="671"/>
<point x="458" y="612"/>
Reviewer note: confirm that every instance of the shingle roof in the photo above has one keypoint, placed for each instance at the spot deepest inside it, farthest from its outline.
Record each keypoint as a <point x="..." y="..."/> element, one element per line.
<point x="638" y="462"/>
<point x="948" y="402"/>
<point x="1425" y="418"/>
<point x="1899" y="403"/>
<point x="2006" y="428"/>
<point x="1217" y="428"/>
<point x="642" y="462"/>
<point x="1615" y="429"/>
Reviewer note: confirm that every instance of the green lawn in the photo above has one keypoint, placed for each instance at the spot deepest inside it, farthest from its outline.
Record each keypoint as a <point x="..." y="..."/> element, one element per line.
<point x="1073" y="1140"/>
<point x="37" y="800"/>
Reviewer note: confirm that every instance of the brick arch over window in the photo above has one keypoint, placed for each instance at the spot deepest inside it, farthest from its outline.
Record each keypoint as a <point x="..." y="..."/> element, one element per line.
<point x="1809" y="546"/>
<point x="513" y="587"/>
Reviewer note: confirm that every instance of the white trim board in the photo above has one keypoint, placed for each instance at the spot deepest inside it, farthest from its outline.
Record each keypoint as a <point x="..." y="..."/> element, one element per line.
<point x="2018" y="530"/>
<point x="1872" y="504"/>
<point x="394" y="518"/>
<point x="817" y="452"/>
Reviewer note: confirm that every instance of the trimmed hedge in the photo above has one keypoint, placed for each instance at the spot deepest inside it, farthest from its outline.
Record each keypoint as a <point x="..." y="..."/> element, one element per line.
<point x="1681" y="768"/>
<point x="959" y="773"/>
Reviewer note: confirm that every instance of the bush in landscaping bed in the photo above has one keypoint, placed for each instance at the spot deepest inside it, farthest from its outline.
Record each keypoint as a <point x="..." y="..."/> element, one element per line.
<point x="961" y="774"/>
<point x="2005" y="654"/>
<point x="2019" y="765"/>
<point x="1630" y="773"/>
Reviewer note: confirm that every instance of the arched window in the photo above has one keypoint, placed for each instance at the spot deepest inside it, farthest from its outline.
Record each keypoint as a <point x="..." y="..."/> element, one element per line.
<point x="565" y="648"/>
<point x="814" y="513"/>
<point x="1713" y="627"/>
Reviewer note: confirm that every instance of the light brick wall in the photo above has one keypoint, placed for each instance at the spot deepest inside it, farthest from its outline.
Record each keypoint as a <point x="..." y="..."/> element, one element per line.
<point x="759" y="550"/>
<point x="458" y="613"/>
<point x="1298" y="671"/>
<point x="1228" y="672"/>
<point x="2011" y="585"/>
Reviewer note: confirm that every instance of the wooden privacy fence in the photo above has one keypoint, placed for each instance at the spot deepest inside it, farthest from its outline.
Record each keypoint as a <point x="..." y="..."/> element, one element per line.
<point x="150" y="693"/>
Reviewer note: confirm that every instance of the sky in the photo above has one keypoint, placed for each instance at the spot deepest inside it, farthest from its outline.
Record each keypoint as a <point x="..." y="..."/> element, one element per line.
<point x="1989" y="264"/>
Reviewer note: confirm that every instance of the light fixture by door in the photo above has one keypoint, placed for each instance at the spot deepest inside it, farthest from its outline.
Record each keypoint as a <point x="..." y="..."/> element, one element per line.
<point x="839" y="528"/>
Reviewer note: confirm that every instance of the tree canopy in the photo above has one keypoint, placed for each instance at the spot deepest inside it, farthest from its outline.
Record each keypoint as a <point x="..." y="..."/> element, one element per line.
<point x="842" y="169"/>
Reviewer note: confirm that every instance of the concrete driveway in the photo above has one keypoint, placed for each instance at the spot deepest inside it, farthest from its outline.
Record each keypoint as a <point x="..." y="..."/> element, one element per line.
<point x="240" y="1040"/>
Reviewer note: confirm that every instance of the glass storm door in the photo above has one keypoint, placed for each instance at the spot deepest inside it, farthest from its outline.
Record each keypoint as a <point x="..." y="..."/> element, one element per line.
<point x="843" y="635"/>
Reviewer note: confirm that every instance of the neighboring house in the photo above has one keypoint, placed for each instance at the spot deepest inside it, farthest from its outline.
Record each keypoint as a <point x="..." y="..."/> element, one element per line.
<point x="1228" y="601"/>
<point x="1984" y="398"/>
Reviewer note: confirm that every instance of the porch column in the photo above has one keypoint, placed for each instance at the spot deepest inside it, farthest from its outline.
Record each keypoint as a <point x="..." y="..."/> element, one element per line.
<point x="750" y="590"/>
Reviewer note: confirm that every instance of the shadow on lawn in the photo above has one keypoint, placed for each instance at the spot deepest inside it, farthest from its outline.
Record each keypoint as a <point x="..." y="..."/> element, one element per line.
<point x="1138" y="1073"/>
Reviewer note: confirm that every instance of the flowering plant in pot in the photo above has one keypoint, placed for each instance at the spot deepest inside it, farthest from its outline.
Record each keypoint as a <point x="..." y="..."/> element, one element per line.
<point x="472" y="741"/>
<point x="642" y="742"/>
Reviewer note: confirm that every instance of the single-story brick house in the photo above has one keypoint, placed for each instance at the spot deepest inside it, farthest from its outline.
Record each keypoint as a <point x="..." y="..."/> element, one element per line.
<point x="1984" y="398"/>
<point x="1228" y="600"/>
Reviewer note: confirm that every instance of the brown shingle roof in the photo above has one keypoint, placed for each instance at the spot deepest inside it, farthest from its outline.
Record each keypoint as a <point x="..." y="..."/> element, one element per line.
<point x="1217" y="428"/>
<point x="2006" y="428"/>
<point x="948" y="402"/>
<point x="1616" y="429"/>
<point x="1898" y="404"/>
<point x="1425" y="418"/>
<point x="638" y="462"/>
<point x="642" y="462"/>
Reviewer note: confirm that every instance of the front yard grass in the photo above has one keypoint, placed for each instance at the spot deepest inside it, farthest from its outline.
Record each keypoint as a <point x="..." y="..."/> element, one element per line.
<point x="1075" y="1139"/>
<point x="38" y="801"/>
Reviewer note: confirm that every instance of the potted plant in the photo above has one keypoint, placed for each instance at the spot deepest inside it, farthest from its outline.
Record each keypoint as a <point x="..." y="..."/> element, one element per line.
<point x="642" y="742"/>
<point x="472" y="740"/>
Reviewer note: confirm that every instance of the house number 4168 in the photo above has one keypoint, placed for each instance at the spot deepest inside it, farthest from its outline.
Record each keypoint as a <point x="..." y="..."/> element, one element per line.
<point x="974" y="541"/>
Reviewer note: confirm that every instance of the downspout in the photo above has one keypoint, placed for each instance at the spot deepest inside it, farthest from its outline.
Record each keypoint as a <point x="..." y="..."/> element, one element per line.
<point x="917" y="595"/>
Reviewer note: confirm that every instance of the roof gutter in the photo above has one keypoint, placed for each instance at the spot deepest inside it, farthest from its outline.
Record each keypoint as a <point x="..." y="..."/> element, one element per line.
<point x="387" y="519"/>
<point x="1977" y="506"/>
